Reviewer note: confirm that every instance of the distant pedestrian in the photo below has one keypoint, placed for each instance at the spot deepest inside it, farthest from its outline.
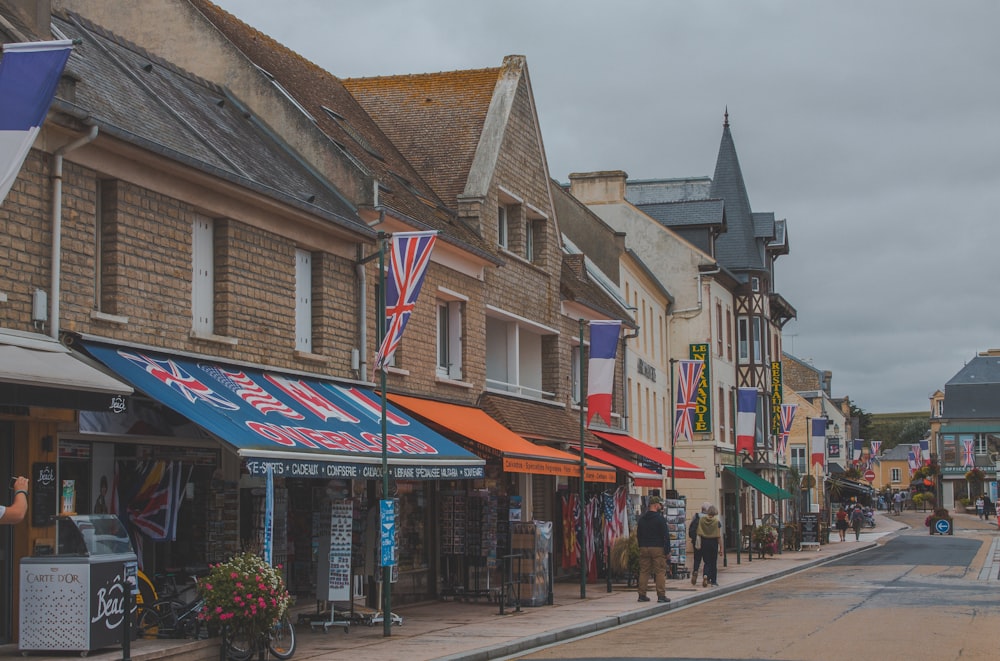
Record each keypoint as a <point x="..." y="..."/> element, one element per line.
<point x="980" y="508"/>
<point x="857" y="520"/>
<point x="989" y="508"/>
<point x="842" y="523"/>
<point x="695" y="544"/>
<point x="653" y="537"/>
<point x="710" y="533"/>
<point x="897" y="501"/>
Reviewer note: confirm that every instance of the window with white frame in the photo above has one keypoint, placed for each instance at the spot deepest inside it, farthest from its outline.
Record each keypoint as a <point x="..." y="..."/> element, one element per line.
<point x="758" y="352"/>
<point x="896" y="474"/>
<point x="798" y="458"/>
<point x="303" y="301"/>
<point x="982" y="447"/>
<point x="755" y="284"/>
<point x="449" y="336"/>
<point x="529" y="240"/>
<point x="575" y="373"/>
<point x="503" y="226"/>
<point x="514" y="355"/>
<point x="743" y="339"/>
<point x="203" y="276"/>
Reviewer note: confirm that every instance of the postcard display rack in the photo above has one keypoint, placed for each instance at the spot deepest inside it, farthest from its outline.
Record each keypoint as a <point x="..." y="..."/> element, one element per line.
<point x="675" y="511"/>
<point x="468" y="543"/>
<point x="333" y="564"/>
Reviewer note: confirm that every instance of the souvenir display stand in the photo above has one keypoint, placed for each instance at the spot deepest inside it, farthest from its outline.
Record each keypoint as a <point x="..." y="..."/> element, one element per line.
<point x="675" y="511"/>
<point x="468" y="544"/>
<point x="530" y="546"/>
<point x="333" y="569"/>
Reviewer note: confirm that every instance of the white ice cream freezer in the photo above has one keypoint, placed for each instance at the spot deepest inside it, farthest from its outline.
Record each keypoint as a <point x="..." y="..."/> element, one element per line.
<point x="75" y="600"/>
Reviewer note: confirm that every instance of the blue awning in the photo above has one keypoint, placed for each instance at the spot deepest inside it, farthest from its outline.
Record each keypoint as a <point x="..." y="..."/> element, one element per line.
<point x="301" y="426"/>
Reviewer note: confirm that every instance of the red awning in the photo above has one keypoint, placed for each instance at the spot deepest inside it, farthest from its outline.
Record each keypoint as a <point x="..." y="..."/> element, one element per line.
<point x="682" y="469"/>
<point x="641" y="476"/>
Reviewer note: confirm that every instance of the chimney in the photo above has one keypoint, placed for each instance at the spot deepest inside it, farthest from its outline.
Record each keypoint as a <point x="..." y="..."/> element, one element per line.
<point x="606" y="187"/>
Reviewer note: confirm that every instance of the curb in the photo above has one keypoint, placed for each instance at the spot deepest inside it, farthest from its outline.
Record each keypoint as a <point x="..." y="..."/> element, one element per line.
<point x="521" y="645"/>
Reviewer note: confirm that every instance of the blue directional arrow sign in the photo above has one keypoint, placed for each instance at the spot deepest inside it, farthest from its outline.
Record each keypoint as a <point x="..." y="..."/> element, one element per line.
<point x="387" y="532"/>
<point x="943" y="526"/>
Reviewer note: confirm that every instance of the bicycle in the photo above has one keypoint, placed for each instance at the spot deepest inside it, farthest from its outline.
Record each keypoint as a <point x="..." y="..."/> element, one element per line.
<point x="168" y="616"/>
<point x="279" y="641"/>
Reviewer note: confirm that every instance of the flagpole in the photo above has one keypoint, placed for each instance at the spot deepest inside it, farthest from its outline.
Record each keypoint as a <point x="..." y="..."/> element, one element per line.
<point x="581" y="536"/>
<point x="673" y="423"/>
<point x="386" y="569"/>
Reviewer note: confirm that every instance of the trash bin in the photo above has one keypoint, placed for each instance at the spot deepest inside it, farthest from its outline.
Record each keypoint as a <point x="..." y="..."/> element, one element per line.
<point x="75" y="600"/>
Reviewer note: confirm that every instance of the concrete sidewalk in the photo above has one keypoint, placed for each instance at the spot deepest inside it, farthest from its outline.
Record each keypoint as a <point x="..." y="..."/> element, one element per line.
<point x="476" y="630"/>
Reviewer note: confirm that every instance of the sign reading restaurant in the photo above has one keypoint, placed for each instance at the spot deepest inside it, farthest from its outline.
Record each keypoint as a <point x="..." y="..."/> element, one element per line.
<point x="703" y="401"/>
<point x="776" y="397"/>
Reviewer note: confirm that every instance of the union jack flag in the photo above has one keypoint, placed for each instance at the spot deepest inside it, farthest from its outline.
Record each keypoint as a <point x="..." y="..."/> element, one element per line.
<point x="787" y="416"/>
<point x="968" y="455"/>
<point x="688" y="375"/>
<point x="410" y="254"/>
<point x="913" y="458"/>
<point x="159" y="491"/>
<point x="876" y="449"/>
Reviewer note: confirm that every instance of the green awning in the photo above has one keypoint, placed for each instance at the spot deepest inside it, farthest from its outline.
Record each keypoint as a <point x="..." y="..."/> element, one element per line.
<point x="971" y="428"/>
<point x="769" y="489"/>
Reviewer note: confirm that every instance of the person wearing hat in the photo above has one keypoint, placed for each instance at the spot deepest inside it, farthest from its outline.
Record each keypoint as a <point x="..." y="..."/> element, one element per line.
<point x="653" y="537"/>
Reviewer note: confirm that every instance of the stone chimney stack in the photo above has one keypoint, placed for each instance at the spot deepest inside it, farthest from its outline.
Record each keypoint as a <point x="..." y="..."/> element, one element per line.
<point x="606" y="187"/>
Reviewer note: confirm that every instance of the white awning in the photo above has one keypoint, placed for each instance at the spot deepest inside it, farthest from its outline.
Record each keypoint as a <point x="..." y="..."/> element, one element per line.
<point x="32" y="364"/>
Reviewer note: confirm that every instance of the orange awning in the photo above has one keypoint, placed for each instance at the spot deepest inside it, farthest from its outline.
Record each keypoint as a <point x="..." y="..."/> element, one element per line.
<point x="682" y="469"/>
<point x="518" y="454"/>
<point x="641" y="476"/>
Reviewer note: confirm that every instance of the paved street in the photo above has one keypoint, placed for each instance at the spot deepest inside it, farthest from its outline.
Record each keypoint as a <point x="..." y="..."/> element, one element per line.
<point x="461" y="630"/>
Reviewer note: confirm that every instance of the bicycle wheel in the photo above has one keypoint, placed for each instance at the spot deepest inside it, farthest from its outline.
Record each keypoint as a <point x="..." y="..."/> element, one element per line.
<point x="239" y="646"/>
<point x="166" y="611"/>
<point x="147" y="624"/>
<point x="282" y="640"/>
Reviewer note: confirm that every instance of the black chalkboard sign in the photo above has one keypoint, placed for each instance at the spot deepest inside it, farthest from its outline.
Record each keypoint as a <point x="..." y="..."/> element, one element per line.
<point x="810" y="528"/>
<point x="43" y="494"/>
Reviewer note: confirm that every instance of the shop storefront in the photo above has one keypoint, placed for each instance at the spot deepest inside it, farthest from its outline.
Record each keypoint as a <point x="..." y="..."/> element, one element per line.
<point x="525" y="482"/>
<point x="42" y="386"/>
<point x="321" y="441"/>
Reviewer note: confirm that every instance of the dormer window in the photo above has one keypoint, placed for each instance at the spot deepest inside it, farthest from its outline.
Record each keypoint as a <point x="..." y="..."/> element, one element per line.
<point x="755" y="284"/>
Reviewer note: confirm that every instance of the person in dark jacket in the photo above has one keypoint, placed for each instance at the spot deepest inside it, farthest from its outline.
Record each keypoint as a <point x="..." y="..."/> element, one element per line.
<point x="653" y="536"/>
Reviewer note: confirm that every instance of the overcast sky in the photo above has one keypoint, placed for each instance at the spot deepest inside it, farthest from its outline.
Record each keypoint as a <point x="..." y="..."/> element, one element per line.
<point x="871" y="126"/>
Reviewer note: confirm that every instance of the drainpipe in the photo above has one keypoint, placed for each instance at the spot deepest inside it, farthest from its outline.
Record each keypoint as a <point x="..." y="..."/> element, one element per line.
<point x="359" y="268"/>
<point x="626" y="389"/>
<point x="696" y="309"/>
<point x="56" y="177"/>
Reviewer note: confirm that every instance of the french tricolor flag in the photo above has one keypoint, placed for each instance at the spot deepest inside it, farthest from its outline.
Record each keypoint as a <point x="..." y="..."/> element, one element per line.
<point x="601" y="367"/>
<point x="29" y="74"/>
<point x="746" y="419"/>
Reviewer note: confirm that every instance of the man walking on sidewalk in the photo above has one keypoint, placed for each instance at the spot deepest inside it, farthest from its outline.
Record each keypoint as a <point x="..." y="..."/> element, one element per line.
<point x="653" y="537"/>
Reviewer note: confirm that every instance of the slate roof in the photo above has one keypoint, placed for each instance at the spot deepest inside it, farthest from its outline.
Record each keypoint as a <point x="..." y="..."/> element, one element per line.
<point x="143" y="100"/>
<point x="433" y="118"/>
<point x="738" y="249"/>
<point x="688" y="213"/>
<point x="974" y="392"/>
<point x="340" y="116"/>
<point x="575" y="284"/>
<point x="536" y="421"/>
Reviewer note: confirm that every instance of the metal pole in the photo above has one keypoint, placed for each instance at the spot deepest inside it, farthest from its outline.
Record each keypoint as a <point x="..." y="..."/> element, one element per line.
<point x="739" y="513"/>
<point x="583" y="508"/>
<point x="673" y="425"/>
<point x="380" y="333"/>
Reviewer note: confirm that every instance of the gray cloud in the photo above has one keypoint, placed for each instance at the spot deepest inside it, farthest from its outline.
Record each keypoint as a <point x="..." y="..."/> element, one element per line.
<point x="870" y="126"/>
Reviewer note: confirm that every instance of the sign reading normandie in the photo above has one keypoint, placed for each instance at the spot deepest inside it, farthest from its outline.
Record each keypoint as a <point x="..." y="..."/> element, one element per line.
<point x="703" y="411"/>
<point x="776" y="397"/>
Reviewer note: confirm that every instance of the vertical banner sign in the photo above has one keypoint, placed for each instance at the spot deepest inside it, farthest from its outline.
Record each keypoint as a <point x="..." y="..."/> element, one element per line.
<point x="777" y="398"/>
<point x="268" y="513"/>
<point x="387" y="532"/>
<point x="703" y="391"/>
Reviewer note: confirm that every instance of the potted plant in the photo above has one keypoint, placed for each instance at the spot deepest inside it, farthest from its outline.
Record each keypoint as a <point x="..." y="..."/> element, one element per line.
<point x="244" y="597"/>
<point x="765" y="539"/>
